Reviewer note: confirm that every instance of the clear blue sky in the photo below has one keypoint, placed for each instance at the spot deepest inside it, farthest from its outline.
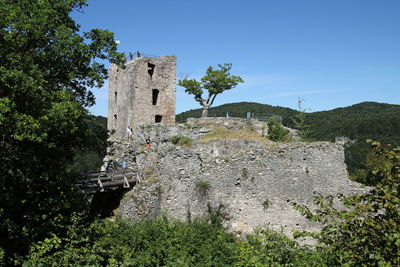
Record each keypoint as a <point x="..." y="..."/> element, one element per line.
<point x="333" y="53"/>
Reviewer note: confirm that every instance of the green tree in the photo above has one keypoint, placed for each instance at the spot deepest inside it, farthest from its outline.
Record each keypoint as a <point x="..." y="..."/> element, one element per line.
<point x="90" y="160"/>
<point x="215" y="82"/>
<point x="47" y="67"/>
<point x="300" y="120"/>
<point x="367" y="230"/>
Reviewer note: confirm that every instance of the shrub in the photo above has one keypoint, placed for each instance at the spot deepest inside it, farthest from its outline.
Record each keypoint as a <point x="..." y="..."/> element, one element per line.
<point x="185" y="141"/>
<point x="276" y="132"/>
<point x="155" y="242"/>
<point x="269" y="248"/>
<point x="181" y="140"/>
<point x="167" y="242"/>
<point x="217" y="215"/>
<point x="174" y="139"/>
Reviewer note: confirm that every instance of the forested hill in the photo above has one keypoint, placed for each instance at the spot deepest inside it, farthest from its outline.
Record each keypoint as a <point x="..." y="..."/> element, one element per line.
<point x="360" y="121"/>
<point x="367" y="120"/>
<point x="240" y="110"/>
<point x="377" y="121"/>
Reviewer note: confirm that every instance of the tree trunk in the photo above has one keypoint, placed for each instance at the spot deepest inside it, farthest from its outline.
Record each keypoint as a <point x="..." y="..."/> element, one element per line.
<point x="206" y="105"/>
<point x="205" y="112"/>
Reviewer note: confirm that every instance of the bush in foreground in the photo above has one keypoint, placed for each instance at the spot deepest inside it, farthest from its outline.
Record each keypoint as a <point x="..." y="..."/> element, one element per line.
<point x="166" y="242"/>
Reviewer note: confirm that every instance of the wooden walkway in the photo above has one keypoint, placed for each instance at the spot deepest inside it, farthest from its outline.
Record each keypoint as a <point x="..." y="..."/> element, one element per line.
<point x="105" y="181"/>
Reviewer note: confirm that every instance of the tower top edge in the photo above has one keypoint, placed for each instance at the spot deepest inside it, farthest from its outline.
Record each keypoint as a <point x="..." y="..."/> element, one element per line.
<point x="147" y="59"/>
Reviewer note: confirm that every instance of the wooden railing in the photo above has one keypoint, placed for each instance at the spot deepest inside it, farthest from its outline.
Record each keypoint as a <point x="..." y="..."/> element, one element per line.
<point x="104" y="181"/>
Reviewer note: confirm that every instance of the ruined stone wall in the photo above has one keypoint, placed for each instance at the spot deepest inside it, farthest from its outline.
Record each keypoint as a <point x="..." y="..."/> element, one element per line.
<point x="256" y="182"/>
<point x="119" y="97"/>
<point x="131" y="93"/>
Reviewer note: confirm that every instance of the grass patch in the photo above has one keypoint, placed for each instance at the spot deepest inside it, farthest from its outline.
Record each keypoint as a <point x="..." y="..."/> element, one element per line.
<point x="203" y="186"/>
<point x="222" y="133"/>
<point x="181" y="141"/>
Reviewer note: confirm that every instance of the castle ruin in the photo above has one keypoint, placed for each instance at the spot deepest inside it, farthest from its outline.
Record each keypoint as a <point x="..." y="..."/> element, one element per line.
<point x="257" y="181"/>
<point x="143" y="92"/>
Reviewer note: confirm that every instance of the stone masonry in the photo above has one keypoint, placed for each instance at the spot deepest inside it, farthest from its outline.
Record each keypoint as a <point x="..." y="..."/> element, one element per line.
<point x="143" y="92"/>
<point x="257" y="182"/>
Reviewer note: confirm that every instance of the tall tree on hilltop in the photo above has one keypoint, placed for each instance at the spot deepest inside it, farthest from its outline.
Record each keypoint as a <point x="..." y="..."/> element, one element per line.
<point x="300" y="121"/>
<point x="46" y="68"/>
<point x="215" y="82"/>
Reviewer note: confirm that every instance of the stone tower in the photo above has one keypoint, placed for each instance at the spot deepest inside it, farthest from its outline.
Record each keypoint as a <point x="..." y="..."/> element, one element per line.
<point x="143" y="92"/>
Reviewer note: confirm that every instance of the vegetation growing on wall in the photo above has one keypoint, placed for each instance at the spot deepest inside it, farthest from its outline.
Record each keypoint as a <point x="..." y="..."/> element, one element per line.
<point x="203" y="186"/>
<point x="266" y="203"/>
<point x="181" y="141"/>
<point x="222" y="133"/>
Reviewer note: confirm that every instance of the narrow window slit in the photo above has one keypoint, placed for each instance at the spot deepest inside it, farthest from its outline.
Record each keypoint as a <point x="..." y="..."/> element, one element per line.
<point x="150" y="69"/>
<point x="155" y="96"/>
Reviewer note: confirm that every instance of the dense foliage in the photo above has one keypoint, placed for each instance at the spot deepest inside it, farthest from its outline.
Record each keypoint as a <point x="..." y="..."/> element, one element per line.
<point x="366" y="230"/>
<point x="215" y="82"/>
<point x="91" y="159"/>
<point x="166" y="242"/>
<point x="47" y="68"/>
